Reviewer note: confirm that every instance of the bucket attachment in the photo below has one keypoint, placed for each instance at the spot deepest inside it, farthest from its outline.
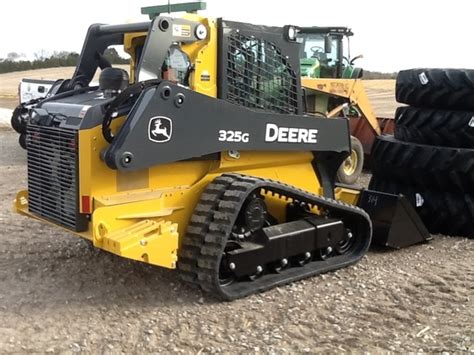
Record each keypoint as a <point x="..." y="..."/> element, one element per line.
<point x="395" y="222"/>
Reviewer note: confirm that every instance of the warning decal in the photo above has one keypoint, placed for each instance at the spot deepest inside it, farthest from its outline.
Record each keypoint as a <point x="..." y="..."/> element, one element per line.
<point x="181" y="30"/>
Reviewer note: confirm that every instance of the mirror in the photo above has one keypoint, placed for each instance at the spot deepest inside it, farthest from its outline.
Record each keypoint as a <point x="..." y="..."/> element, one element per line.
<point x="360" y="56"/>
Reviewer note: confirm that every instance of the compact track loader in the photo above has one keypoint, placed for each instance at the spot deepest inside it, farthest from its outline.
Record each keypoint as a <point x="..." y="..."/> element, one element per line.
<point x="202" y="159"/>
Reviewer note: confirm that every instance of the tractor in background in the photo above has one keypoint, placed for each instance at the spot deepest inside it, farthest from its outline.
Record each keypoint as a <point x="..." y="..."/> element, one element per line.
<point x="333" y="87"/>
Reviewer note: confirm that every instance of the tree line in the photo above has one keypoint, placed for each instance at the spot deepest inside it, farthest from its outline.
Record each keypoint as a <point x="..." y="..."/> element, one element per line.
<point x="13" y="62"/>
<point x="42" y="60"/>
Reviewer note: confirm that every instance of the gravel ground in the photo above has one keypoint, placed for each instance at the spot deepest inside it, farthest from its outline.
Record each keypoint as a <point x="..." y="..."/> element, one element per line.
<point x="59" y="294"/>
<point x="5" y="116"/>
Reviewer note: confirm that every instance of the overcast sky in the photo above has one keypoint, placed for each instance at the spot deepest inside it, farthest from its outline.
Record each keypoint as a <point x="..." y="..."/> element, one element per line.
<point x="391" y="34"/>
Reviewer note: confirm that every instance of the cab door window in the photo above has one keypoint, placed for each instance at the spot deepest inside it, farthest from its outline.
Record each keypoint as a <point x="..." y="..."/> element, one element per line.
<point x="314" y="49"/>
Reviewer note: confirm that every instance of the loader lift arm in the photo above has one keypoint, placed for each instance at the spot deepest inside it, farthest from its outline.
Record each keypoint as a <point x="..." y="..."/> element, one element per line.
<point x="351" y="89"/>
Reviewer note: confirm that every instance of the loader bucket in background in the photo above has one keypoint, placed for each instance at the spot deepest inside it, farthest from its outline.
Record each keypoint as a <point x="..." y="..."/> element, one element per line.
<point x="395" y="222"/>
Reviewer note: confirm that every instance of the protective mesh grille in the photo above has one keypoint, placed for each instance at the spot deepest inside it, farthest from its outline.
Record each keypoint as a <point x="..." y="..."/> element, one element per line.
<point x="52" y="185"/>
<point x="259" y="76"/>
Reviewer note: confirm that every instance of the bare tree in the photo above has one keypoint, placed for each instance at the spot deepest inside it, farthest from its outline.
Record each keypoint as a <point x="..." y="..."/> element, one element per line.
<point x="12" y="56"/>
<point x="41" y="54"/>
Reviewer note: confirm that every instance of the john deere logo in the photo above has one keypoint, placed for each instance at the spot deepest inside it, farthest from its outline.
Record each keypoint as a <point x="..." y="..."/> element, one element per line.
<point x="160" y="129"/>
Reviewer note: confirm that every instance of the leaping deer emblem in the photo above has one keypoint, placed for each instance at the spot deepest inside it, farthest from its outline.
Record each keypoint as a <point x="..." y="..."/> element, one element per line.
<point x="159" y="130"/>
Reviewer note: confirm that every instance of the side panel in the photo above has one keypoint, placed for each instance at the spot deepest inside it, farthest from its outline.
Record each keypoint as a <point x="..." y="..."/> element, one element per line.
<point x="204" y="56"/>
<point x="170" y="123"/>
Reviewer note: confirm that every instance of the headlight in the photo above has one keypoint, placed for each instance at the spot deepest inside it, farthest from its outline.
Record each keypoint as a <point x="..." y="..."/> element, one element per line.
<point x="292" y="33"/>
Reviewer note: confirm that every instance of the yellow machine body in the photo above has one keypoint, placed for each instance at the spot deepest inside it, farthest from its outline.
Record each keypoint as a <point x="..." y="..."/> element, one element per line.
<point x="142" y="215"/>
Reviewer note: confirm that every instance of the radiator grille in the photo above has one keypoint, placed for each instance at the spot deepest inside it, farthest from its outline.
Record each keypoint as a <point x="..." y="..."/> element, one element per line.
<point x="52" y="175"/>
<point x="259" y="76"/>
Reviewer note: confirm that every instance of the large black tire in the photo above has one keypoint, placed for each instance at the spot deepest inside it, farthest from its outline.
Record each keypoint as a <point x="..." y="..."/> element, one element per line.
<point x="442" y="212"/>
<point x="435" y="127"/>
<point x="450" y="169"/>
<point x="350" y="170"/>
<point x="436" y="88"/>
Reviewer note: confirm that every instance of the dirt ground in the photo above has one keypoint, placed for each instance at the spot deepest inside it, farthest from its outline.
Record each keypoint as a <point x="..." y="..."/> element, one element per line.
<point x="382" y="98"/>
<point x="9" y="81"/>
<point x="8" y="102"/>
<point x="57" y="293"/>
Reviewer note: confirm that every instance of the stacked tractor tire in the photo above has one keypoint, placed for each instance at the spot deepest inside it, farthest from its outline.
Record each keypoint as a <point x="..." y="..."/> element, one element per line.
<point x="430" y="158"/>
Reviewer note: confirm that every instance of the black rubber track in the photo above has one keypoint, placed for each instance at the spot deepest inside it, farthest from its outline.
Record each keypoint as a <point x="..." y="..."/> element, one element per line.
<point x="450" y="169"/>
<point x="442" y="212"/>
<point x="451" y="89"/>
<point x="435" y="127"/>
<point x="203" y="245"/>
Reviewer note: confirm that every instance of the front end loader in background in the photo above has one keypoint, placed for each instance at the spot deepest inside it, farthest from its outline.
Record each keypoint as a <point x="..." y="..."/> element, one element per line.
<point x="202" y="158"/>
<point x="334" y="87"/>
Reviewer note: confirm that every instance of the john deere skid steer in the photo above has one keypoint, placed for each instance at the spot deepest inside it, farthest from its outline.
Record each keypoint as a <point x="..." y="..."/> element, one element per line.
<point x="202" y="158"/>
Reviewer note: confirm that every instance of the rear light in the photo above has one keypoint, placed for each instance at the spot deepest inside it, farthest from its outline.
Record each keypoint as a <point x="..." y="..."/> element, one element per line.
<point x="86" y="204"/>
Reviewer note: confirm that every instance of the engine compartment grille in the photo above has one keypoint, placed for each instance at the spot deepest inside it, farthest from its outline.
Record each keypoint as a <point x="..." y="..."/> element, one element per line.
<point x="52" y="175"/>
